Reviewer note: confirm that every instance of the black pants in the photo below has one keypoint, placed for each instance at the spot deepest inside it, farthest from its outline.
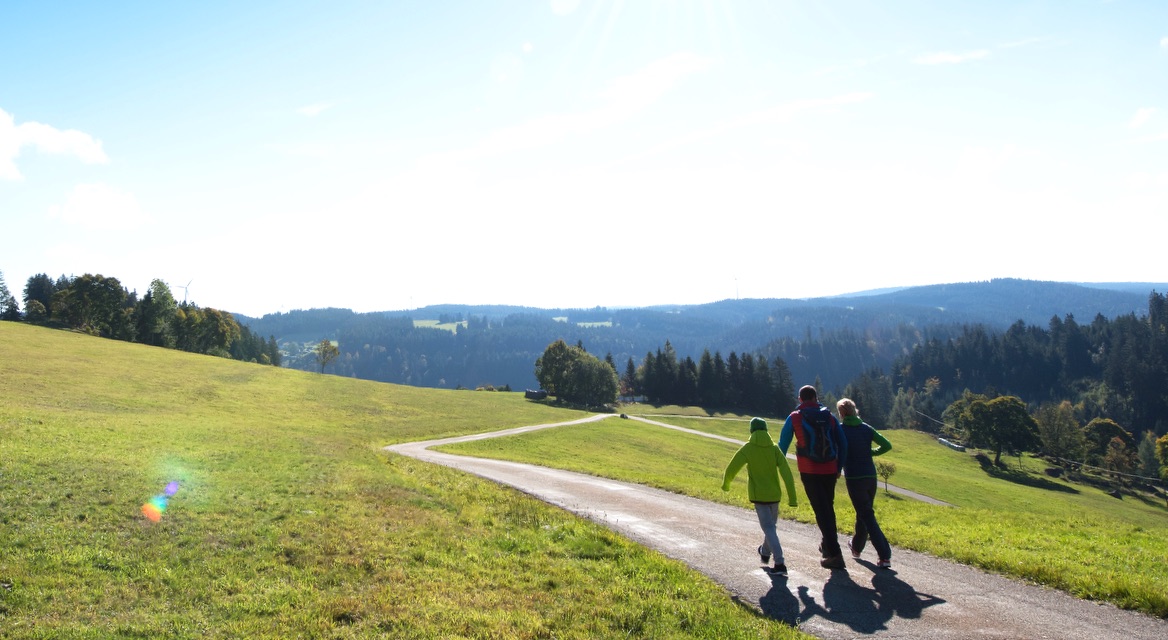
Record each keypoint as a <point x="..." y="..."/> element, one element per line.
<point x="820" y="488"/>
<point x="862" y="491"/>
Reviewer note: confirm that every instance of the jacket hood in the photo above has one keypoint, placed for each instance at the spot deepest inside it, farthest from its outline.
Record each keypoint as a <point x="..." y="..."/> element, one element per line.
<point x="761" y="438"/>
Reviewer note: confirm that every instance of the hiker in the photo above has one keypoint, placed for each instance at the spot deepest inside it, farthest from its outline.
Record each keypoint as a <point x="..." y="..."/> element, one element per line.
<point x="860" y="478"/>
<point x="819" y="448"/>
<point x="764" y="465"/>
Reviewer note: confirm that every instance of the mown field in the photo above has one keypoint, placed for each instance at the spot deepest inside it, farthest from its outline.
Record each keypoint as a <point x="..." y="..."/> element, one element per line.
<point x="1018" y="523"/>
<point x="287" y="518"/>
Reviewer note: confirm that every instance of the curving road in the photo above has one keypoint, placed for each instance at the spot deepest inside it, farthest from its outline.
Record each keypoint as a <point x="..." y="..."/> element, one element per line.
<point x="790" y="456"/>
<point x="924" y="597"/>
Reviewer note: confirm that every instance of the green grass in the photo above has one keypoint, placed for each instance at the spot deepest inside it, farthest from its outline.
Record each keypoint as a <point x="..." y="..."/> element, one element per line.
<point x="1026" y="525"/>
<point x="435" y="324"/>
<point x="290" y="520"/>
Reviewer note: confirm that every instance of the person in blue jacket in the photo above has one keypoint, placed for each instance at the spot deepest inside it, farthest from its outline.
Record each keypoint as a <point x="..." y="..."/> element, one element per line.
<point x="764" y="464"/>
<point x="860" y="476"/>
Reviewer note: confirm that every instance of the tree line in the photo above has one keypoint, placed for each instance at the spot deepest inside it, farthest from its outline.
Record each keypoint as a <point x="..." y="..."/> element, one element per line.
<point x="1113" y="368"/>
<point x="743" y="383"/>
<point x="101" y="306"/>
<point x="1080" y="385"/>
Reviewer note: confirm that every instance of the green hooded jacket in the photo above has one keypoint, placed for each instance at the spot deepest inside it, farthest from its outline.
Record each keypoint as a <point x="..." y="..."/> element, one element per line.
<point x="764" y="464"/>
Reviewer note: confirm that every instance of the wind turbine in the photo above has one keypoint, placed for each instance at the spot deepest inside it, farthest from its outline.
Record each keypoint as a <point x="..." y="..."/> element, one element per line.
<point x="184" y="288"/>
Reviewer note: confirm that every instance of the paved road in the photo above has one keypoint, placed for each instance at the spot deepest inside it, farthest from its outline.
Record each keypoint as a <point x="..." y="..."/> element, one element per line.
<point x="790" y="456"/>
<point x="924" y="597"/>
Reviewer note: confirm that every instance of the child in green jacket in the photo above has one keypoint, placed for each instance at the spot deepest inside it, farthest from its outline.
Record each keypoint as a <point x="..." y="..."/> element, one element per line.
<point x="764" y="464"/>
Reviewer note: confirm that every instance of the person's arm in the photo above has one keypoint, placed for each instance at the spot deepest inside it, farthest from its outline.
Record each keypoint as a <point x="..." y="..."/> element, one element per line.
<point x="785" y="474"/>
<point x="733" y="468"/>
<point x="842" y="443"/>
<point x="883" y="446"/>
<point x="785" y="435"/>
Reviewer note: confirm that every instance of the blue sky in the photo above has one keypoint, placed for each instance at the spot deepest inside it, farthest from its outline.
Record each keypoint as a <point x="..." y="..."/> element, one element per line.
<point x="562" y="153"/>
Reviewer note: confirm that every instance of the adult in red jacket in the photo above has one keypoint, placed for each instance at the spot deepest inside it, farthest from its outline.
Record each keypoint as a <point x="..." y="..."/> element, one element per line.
<point x="818" y="476"/>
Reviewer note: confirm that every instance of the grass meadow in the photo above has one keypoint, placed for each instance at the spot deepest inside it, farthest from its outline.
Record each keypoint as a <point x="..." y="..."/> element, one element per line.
<point x="289" y="520"/>
<point x="1071" y="537"/>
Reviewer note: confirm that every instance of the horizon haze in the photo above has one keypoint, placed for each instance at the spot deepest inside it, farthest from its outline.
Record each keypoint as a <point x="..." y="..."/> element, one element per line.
<point x="271" y="156"/>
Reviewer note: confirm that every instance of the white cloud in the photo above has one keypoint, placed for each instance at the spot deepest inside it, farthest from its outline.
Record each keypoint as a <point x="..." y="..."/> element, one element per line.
<point x="313" y="110"/>
<point x="46" y="139"/>
<point x="946" y="57"/>
<point x="1164" y="42"/>
<point x="1141" y="117"/>
<point x="99" y="206"/>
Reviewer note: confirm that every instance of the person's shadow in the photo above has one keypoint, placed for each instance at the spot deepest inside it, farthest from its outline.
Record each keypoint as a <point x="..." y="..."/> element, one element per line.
<point x="898" y="598"/>
<point x="863" y="609"/>
<point x="779" y="603"/>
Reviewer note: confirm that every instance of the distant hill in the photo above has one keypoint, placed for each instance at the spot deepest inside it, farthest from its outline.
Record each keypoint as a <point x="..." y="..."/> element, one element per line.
<point x="498" y="344"/>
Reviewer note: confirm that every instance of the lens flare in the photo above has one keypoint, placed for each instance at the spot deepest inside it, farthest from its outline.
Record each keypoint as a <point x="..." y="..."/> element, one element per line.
<point x="156" y="506"/>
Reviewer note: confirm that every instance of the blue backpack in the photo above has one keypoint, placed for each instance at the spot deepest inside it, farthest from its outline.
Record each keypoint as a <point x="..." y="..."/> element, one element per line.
<point x="817" y="426"/>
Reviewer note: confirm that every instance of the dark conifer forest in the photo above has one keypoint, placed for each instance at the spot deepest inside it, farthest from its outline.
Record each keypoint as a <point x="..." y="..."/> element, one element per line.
<point x="905" y="356"/>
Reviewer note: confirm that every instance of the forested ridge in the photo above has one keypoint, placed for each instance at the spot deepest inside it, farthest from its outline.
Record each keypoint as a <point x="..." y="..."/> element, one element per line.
<point x="833" y="339"/>
<point x="101" y="306"/>
<point x="929" y="358"/>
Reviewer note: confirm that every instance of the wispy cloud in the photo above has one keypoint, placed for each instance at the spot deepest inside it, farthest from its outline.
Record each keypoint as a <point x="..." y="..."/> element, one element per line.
<point x="314" y="110"/>
<point x="620" y="100"/>
<point x="1164" y="42"/>
<point x="778" y="115"/>
<point x="843" y="67"/>
<point x="1025" y="42"/>
<point x="947" y="57"/>
<point x="45" y="139"/>
<point x="564" y="7"/>
<point x="99" y="206"/>
<point x="1141" y="117"/>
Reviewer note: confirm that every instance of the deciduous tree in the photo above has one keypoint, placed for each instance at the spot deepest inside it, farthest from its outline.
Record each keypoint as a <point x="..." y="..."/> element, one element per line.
<point x="326" y="352"/>
<point x="552" y="367"/>
<point x="1060" y="432"/>
<point x="885" y="469"/>
<point x="1001" y="423"/>
<point x="1100" y="432"/>
<point x="1162" y="455"/>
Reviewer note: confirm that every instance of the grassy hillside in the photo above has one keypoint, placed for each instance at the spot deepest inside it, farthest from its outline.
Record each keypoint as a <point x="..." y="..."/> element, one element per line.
<point x="1071" y="537"/>
<point x="287" y="519"/>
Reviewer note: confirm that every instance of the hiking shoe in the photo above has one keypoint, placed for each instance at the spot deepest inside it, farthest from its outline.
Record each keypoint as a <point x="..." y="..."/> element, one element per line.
<point x="833" y="562"/>
<point x="884" y="563"/>
<point x="780" y="569"/>
<point x="855" y="554"/>
<point x="766" y="557"/>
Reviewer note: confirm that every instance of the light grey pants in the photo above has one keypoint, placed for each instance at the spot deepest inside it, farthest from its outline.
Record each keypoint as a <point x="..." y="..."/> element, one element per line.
<point x="768" y="517"/>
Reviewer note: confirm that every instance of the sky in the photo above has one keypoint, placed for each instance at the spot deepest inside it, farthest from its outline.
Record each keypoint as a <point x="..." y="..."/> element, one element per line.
<point x="273" y="155"/>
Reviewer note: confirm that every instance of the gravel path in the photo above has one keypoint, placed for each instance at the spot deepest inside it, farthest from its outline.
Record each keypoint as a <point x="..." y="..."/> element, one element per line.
<point x="790" y="456"/>
<point x="923" y="597"/>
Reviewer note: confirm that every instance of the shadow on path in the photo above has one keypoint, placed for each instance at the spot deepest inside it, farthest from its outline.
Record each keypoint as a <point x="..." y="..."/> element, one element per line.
<point x="860" y="608"/>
